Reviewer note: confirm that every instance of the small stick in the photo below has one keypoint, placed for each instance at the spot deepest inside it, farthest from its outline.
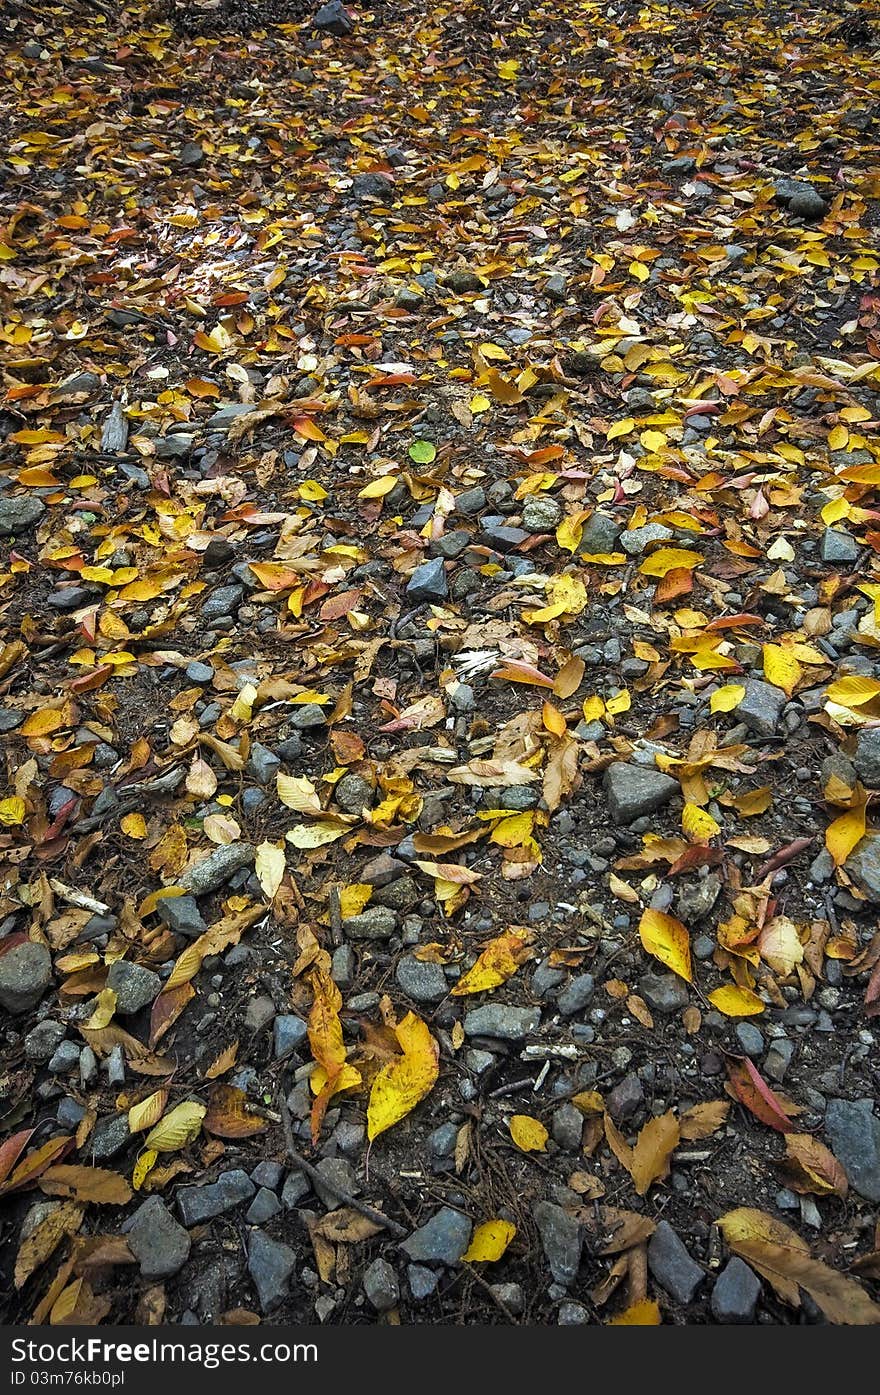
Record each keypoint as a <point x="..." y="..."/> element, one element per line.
<point x="499" y="1302"/>
<point x="318" y="1179"/>
<point x="335" y="915"/>
<point x="637" y="1275"/>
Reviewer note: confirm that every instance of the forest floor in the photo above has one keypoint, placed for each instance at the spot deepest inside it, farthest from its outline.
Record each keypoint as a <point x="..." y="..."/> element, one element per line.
<point x="439" y="663"/>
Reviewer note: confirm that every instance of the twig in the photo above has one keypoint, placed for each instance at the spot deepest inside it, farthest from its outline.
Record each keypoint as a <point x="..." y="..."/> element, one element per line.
<point x="318" y="1179"/>
<point x="499" y="1302"/>
<point x="335" y="915"/>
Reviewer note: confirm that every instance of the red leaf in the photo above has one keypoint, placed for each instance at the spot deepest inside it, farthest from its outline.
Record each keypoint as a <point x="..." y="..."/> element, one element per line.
<point x="11" y="1151"/>
<point x="753" y="1091"/>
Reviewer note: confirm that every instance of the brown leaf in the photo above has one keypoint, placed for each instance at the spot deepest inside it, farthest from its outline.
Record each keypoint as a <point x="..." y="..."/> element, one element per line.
<point x="747" y="1086"/>
<point x="228" y="1114"/>
<point x="45" y="1238"/>
<point x="654" y="1146"/>
<point x="811" y="1167"/>
<point x="702" y="1120"/>
<point x="91" y="1184"/>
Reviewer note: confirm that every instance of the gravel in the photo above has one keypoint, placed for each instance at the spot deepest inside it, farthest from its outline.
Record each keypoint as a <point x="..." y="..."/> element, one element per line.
<point x="561" y="1239"/>
<point x="428" y="582"/>
<point x="504" y="1023"/>
<point x="381" y="1286"/>
<point x="159" y="1244"/>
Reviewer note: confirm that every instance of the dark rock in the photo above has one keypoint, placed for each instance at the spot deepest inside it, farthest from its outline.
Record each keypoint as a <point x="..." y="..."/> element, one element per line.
<point x="736" y="1293"/>
<point x="217" y="868"/>
<point x="561" y="1238"/>
<point x="381" y="1286"/>
<point x="114" y="434"/>
<point x="159" y="1244"/>
<point x="863" y="865"/>
<point x="441" y="1240"/>
<point x="626" y="1099"/>
<point x="43" y="1041"/>
<point x="197" y="1204"/>
<point x="135" y="987"/>
<point x="576" y="995"/>
<point x="25" y="974"/>
<point x="306" y="716"/>
<point x="334" y="18"/>
<point x="264" y="1206"/>
<point x="838" y="546"/>
<point x="671" y="1265"/>
<point x="664" y="992"/>
<point x="421" y="980"/>
<point x="854" y="1131"/>
<point x="270" y="1265"/>
<point x="108" y="1137"/>
<point x="761" y="707"/>
<point x="288" y="1032"/>
<point x="428" y="582"/>
<point x="634" y="790"/>
<point x="867" y="757"/>
<point x="375" y="923"/>
<point x="461" y="282"/>
<point x="502" y="1022"/>
<point x="182" y="915"/>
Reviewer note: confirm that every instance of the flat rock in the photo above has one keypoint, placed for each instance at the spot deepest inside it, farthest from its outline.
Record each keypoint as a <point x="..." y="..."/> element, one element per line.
<point x="197" y="1204"/>
<point x="334" y="18"/>
<point x="736" y="1293"/>
<point x="270" y="1265"/>
<point x="114" y="434"/>
<point x="25" y="974"/>
<point x="761" y="707"/>
<point x="664" y="992"/>
<point x="854" y="1131"/>
<point x="182" y="915"/>
<point x="634" y="790"/>
<point x="158" y="1242"/>
<point x="863" y="865"/>
<point x="867" y="757"/>
<point x="635" y="540"/>
<point x="421" y="980"/>
<point x="381" y="1286"/>
<point x="671" y="1265"/>
<point x="217" y="868"/>
<point x="375" y="923"/>
<point x="838" y="546"/>
<point x="561" y="1238"/>
<point x="428" y="582"/>
<point x="442" y="1240"/>
<point x="135" y="987"/>
<point x="504" y="1023"/>
<point x="108" y="1137"/>
<point x="19" y="514"/>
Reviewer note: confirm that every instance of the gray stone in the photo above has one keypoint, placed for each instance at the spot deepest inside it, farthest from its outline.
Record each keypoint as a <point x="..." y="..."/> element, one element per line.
<point x="634" y="790"/>
<point x="502" y="1022"/>
<point x="807" y="203"/>
<point x="778" y="1059"/>
<point x="182" y="915"/>
<point x="541" y="513"/>
<point x="838" y="546"/>
<point x="471" y="501"/>
<point x="867" y="757"/>
<point x="224" y="601"/>
<point x="264" y="1206"/>
<point x="10" y="719"/>
<point x="736" y="1293"/>
<point x="135" y="987"/>
<point x="664" y="992"/>
<point x="217" y="868"/>
<point x="576" y="995"/>
<point x="671" y="1265"/>
<point x="626" y="1099"/>
<point x="67" y="598"/>
<point x="561" y="1238"/>
<point x="353" y="794"/>
<point x="259" y="1013"/>
<point x="573" y="1315"/>
<point x="268" y="1174"/>
<point x="428" y="582"/>
<point x="42" y="1041"/>
<point x="381" y="1286"/>
<point x="270" y="1265"/>
<point x="636" y="540"/>
<point x="567" y="1127"/>
<point x="334" y="18"/>
<point x="199" y="673"/>
<point x="441" y="1240"/>
<point x="375" y="923"/>
<point x="516" y="797"/>
<point x="511" y="1295"/>
<point x="697" y="899"/>
<point x="158" y="1242"/>
<point x="337" y="1174"/>
<point x="546" y="978"/>
<point x="421" y="980"/>
<point x="863" y="865"/>
<point x="761" y="707"/>
<point x="306" y="716"/>
<point x="600" y="536"/>
<point x="422" y="1281"/>
<point x="108" y="1137"/>
<point x="503" y="538"/>
<point x="288" y="1032"/>
<point x="750" y="1039"/>
<point x="65" y="1058"/>
<point x="197" y="1204"/>
<point x="191" y="154"/>
<point x="20" y="514"/>
<point x="854" y="1131"/>
<point x="263" y="764"/>
<point x="296" y="1188"/>
<point x="461" y="282"/>
<point x="25" y="974"/>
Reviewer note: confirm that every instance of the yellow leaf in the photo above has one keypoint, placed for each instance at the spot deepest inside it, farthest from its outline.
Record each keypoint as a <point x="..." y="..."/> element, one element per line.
<point x="143" y="1167"/>
<point x="528" y="1134"/>
<point x="489" y="1242"/>
<point x="403" y="1082"/>
<point x="838" y="438"/>
<point x="668" y="940"/>
<point x="269" y="865"/>
<point x="352" y="899"/>
<point x="105" y="1006"/>
<point x="148" y="1112"/>
<point x="570" y="531"/>
<point x="180" y="1126"/>
<point x="134" y="826"/>
<point x="736" y="1002"/>
<point x="47" y="720"/>
<point x="727" y="698"/>
<point x="553" y="720"/>
<point x="13" y="809"/>
<point x="479" y="403"/>
<point x="845" y="832"/>
<point x="668" y="559"/>
<point x="621" y="702"/>
<point x="698" y="825"/>
<point x="315" y="835"/>
<point x="781" y="668"/>
<point x="851" y="691"/>
<point x="498" y="961"/>
<point x="620" y="428"/>
<point x="377" y="489"/>
<point x="653" y="441"/>
<point x="643" y="1314"/>
<point x="298" y="792"/>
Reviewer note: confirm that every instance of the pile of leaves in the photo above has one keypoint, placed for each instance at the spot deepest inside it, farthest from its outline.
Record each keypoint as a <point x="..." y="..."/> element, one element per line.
<point x="439" y="606"/>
